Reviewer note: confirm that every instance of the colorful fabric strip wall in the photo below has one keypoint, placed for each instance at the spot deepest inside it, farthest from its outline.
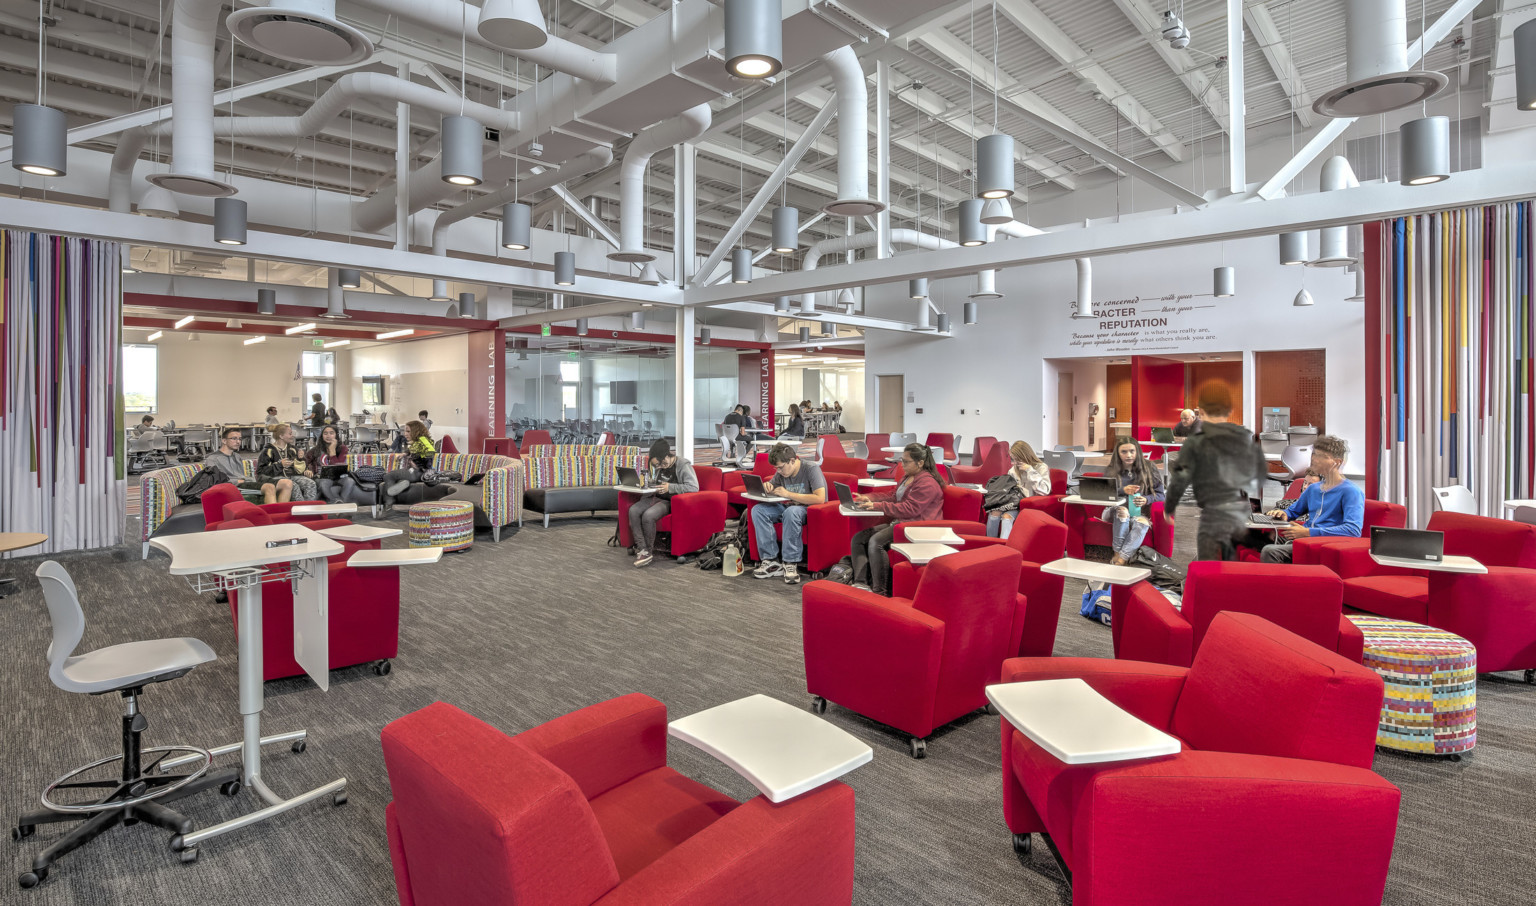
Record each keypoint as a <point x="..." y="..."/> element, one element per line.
<point x="1457" y="335"/>
<point x="61" y="421"/>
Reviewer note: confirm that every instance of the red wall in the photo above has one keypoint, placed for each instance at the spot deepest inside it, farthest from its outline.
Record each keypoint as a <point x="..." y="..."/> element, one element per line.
<point x="487" y="386"/>
<point x="1157" y="393"/>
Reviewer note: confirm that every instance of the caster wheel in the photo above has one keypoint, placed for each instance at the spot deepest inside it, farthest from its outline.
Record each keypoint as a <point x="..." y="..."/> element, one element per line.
<point x="33" y="878"/>
<point x="818" y="705"/>
<point x="1022" y="843"/>
<point x="1530" y="677"/>
<point x="1455" y="757"/>
<point x="917" y="747"/>
<point x="299" y="747"/>
<point x="231" y="788"/>
<point x="382" y="668"/>
<point x="23" y="831"/>
<point x="188" y="855"/>
<point x="221" y="597"/>
<point x="339" y="798"/>
<point x="991" y="709"/>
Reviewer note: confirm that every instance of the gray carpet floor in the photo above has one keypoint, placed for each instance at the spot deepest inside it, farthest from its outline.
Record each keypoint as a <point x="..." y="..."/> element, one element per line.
<point x="551" y="620"/>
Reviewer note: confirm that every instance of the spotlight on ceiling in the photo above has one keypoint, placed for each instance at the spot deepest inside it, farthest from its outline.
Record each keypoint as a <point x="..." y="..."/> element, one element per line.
<point x="40" y="143"/>
<point x="512" y="24"/>
<point x="229" y="221"/>
<point x="461" y="159"/>
<point x="754" y="38"/>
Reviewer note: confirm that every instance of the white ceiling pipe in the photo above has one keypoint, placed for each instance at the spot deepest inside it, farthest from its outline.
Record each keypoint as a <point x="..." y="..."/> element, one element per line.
<point x="1017" y="229"/>
<point x="1333" y="242"/>
<point x="576" y="167"/>
<point x="556" y="53"/>
<point x="853" y="198"/>
<point x="1084" y="288"/>
<point x="194" y="23"/>
<point x="686" y="127"/>
<point x="839" y="244"/>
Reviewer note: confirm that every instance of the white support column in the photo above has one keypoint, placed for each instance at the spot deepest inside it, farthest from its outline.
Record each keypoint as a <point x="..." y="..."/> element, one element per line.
<point x="684" y="368"/>
<point x="883" y="157"/>
<point x="1237" y="116"/>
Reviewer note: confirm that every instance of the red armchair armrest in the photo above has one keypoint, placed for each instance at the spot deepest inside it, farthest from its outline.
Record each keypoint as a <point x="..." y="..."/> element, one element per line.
<point x="1153" y="631"/>
<point x="759" y="854"/>
<point x="828" y="536"/>
<point x="1351" y="640"/>
<point x="1495" y="611"/>
<point x="695" y="517"/>
<point x="1352" y="560"/>
<point x="1049" y="504"/>
<point x="606" y="744"/>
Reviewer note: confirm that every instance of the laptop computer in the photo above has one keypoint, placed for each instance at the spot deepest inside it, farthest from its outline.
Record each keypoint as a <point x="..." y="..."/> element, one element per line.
<point x="1162" y="435"/>
<point x="754" y="486"/>
<point x="1099" y="490"/>
<point x="845" y="497"/>
<point x="1408" y="544"/>
<point x="630" y="478"/>
<point x="332" y="473"/>
<point x="474" y="479"/>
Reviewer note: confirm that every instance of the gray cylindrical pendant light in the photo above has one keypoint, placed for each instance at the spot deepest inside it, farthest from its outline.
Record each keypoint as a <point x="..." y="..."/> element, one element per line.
<point x="1424" y="151"/>
<point x="754" y="38"/>
<point x="781" y="304"/>
<point x="516" y="226"/>
<point x="349" y="277"/>
<point x="994" y="166"/>
<point x="439" y="292"/>
<point x="467" y="306"/>
<point x="460" y="158"/>
<point x="637" y="320"/>
<point x="972" y="231"/>
<point x="827" y="327"/>
<point x="1525" y="65"/>
<point x="1293" y="248"/>
<point x="805" y="335"/>
<point x="786" y="229"/>
<point x="704" y="336"/>
<point x="39" y="140"/>
<point x="565" y="268"/>
<point x="943" y="322"/>
<point x="971" y="313"/>
<point x="229" y="221"/>
<point x="741" y="266"/>
<point x="1224" y="282"/>
<point x="996" y="212"/>
<point x="917" y="288"/>
<point x="581" y="327"/>
<point x="1302" y="298"/>
<point x="266" y="301"/>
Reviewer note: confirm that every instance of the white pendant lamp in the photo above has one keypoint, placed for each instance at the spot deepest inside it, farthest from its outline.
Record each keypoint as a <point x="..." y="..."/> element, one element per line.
<point x="1224" y="282"/>
<point x="917" y="288"/>
<point x="846" y="300"/>
<point x="467" y="306"/>
<point x="781" y="305"/>
<point x="229" y="221"/>
<point x="741" y="266"/>
<point x="39" y="139"/>
<point x="1302" y="298"/>
<point x="986" y="286"/>
<point x="266" y="301"/>
<point x="159" y="202"/>
<point x="512" y="24"/>
<point x="754" y="38"/>
<point x="972" y="231"/>
<point x="1424" y="151"/>
<point x="994" y="166"/>
<point x="565" y="268"/>
<point x="808" y="306"/>
<point x="786" y="229"/>
<point x="302" y="31"/>
<point x="516" y="226"/>
<point x="1377" y="73"/>
<point x="460" y="161"/>
<point x="996" y="212"/>
<point x="1293" y="248"/>
<point x="971" y="315"/>
<point x="349" y="277"/>
<point x="649" y="275"/>
<point x="1525" y="65"/>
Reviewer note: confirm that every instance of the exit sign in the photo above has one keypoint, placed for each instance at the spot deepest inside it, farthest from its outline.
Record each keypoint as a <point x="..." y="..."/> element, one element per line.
<point x="317" y="341"/>
<point x="572" y="355"/>
<point x="543" y="330"/>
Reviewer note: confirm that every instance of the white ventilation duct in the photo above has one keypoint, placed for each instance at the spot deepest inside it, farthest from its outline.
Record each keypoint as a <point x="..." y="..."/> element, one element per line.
<point x="986" y="286"/>
<point x="194" y="23"/>
<point x="1333" y="242"/>
<point x="576" y="167"/>
<point x="303" y="31"/>
<point x="556" y="53"/>
<point x="335" y="297"/>
<point x="1084" y="288"/>
<point x="691" y="124"/>
<point x="1378" y="75"/>
<point x="840" y="244"/>
<point x="852" y="137"/>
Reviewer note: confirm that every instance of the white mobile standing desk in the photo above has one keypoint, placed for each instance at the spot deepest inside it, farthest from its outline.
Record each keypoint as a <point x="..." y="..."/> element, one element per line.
<point x="239" y="560"/>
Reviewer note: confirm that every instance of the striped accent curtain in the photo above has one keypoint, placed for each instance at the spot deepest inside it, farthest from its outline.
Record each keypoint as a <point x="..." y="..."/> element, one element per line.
<point x="61" y="409"/>
<point x="1457" y="338"/>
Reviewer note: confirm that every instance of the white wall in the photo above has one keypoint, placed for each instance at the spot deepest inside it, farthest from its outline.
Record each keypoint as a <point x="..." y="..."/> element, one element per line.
<point x="431" y="374"/>
<point x="219" y="379"/>
<point x="997" y="365"/>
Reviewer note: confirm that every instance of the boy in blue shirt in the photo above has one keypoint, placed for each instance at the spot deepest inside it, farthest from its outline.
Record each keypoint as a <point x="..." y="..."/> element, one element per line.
<point x="1332" y="506"/>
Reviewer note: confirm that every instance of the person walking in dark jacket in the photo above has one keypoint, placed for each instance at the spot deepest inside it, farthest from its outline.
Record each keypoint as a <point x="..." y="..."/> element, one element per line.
<point x="1222" y="464"/>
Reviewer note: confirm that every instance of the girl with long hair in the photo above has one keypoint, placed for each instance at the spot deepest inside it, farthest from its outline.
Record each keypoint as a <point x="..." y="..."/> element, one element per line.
<point x="919" y="496"/>
<point x="1141" y="483"/>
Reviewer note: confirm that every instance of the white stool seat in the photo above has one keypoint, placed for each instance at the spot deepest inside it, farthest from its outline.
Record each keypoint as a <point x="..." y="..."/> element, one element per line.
<point x="131" y="664"/>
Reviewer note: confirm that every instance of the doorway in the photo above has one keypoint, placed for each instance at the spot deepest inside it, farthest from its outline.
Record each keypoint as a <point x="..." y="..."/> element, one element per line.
<point x="892" y="393"/>
<point x="1066" y="427"/>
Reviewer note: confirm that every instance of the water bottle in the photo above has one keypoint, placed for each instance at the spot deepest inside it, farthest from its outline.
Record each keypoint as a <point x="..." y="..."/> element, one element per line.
<point x="730" y="561"/>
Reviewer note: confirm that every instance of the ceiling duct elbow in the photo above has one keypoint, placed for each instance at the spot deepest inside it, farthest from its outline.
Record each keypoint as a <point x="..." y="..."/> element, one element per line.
<point x="301" y="31"/>
<point x="686" y="127"/>
<point x="1378" y="77"/>
<point x="194" y="24"/>
<point x="1333" y="242"/>
<point x="852" y="137"/>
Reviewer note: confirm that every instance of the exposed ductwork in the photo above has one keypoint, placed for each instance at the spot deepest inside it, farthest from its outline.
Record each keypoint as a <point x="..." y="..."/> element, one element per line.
<point x="1378" y="75"/>
<point x="693" y="123"/>
<point x="194" y="23"/>
<point x="555" y="53"/>
<point x="840" y="244"/>
<point x="1333" y="242"/>
<point x="852" y="137"/>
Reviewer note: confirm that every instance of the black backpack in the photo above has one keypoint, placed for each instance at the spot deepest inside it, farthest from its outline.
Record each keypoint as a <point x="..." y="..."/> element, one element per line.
<point x="1165" y="572"/>
<point x="192" y="491"/>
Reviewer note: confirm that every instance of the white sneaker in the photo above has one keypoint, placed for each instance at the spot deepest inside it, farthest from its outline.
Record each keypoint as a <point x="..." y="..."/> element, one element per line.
<point x="861" y="586"/>
<point x="768" y="569"/>
<point x="791" y="574"/>
<point x="644" y="558"/>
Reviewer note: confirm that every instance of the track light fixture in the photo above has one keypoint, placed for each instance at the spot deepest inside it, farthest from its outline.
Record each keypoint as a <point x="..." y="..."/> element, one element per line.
<point x="1224" y="282"/>
<point x="994" y="166"/>
<point x="741" y="266"/>
<point x="754" y="38"/>
<point x="229" y="221"/>
<point x="266" y="301"/>
<point x="516" y="226"/>
<point x="40" y="141"/>
<point x="1424" y="151"/>
<point x="460" y="160"/>
<point x="786" y="229"/>
<point x="565" y="268"/>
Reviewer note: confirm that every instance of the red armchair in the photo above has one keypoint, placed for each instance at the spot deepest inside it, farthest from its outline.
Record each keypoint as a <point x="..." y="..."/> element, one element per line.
<point x="1084" y="527"/>
<point x="846" y="466"/>
<point x="536" y="436"/>
<point x="1495" y="611"/>
<point x="364" y="607"/>
<point x="946" y="442"/>
<point x="874" y="446"/>
<point x="1321" y="550"/>
<point x="1277" y="734"/>
<point x="1037" y="538"/>
<point x="1307" y="600"/>
<point x="992" y="463"/>
<point x="828" y="534"/>
<point x="694" y="518"/>
<point x="915" y="664"/>
<point x="216" y="498"/>
<point x="1050" y="504"/>
<point x="584" y="809"/>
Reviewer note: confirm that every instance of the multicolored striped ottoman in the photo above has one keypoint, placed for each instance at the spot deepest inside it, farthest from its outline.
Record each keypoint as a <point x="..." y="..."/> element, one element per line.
<point x="1431" y="685"/>
<point x="448" y="524"/>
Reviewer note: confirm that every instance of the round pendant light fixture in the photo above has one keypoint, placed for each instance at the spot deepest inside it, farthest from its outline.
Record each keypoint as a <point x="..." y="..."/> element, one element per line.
<point x="1525" y="65"/>
<point x="972" y="231"/>
<point x="1224" y="282"/>
<point x="461" y="160"/>
<point x="349" y="277"/>
<point x="637" y="320"/>
<point x="1302" y="299"/>
<point x="1424" y="151"/>
<point x="581" y="327"/>
<point x="565" y="268"/>
<point x="39" y="140"/>
<point x="467" y="306"/>
<point x="805" y="335"/>
<point x="846" y="300"/>
<point x="996" y="212"/>
<point x="943" y="322"/>
<point x="649" y="275"/>
<point x="786" y="229"/>
<point x="301" y="31"/>
<point x="994" y="166"/>
<point x="971" y="315"/>
<point x="917" y="288"/>
<point x="1293" y="248"/>
<point x="781" y="305"/>
<point x="159" y="202"/>
<point x="703" y="336"/>
<point x="439" y="292"/>
<point x="516" y="226"/>
<point x="266" y="301"/>
<point x="513" y="24"/>
<point x="741" y="266"/>
<point x="229" y="221"/>
<point x="754" y="38"/>
<point x="1376" y="39"/>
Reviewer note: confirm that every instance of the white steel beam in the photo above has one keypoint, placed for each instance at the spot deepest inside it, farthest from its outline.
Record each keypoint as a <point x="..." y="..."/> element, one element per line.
<point x="1183" y="65"/>
<point x="584" y="215"/>
<point x="862" y="321"/>
<point x="553" y="315"/>
<point x="1267" y="36"/>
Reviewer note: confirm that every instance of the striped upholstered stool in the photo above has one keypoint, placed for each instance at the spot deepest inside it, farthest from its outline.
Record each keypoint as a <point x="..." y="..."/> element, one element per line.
<point x="448" y="524"/>
<point x="1431" y="686"/>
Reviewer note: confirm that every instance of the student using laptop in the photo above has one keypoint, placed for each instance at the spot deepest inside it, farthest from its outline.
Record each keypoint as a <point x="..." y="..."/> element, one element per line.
<point x="801" y="485"/>
<point x="918" y="497"/>
<point x="324" y="458"/>
<point x="1141" y="484"/>
<point x="670" y="475"/>
<point x="1332" y="505"/>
